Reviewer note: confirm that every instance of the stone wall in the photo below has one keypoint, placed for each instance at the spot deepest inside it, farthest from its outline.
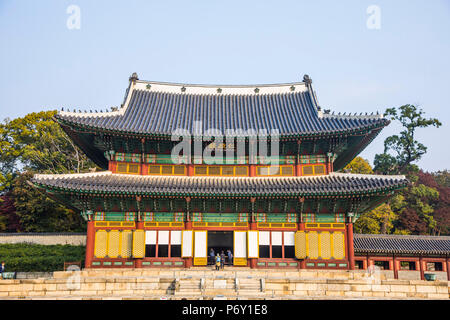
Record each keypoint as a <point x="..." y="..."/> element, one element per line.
<point x="228" y="284"/>
<point x="44" y="238"/>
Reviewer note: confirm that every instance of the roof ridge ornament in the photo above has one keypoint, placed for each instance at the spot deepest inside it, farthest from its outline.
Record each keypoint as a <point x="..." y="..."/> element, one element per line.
<point x="307" y="79"/>
<point x="134" y="77"/>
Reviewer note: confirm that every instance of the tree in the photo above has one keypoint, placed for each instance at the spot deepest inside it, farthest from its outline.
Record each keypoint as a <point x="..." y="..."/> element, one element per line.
<point x="359" y="165"/>
<point x="378" y="220"/>
<point x="9" y="221"/>
<point x="36" y="144"/>
<point x="38" y="213"/>
<point x="405" y="146"/>
<point x="40" y="145"/>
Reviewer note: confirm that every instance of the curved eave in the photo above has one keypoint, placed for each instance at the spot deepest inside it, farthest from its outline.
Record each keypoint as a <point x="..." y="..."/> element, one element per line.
<point x="73" y="129"/>
<point x="374" y="192"/>
<point x="401" y="251"/>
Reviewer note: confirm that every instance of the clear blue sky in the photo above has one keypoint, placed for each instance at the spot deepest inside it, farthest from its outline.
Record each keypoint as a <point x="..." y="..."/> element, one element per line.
<point x="44" y="65"/>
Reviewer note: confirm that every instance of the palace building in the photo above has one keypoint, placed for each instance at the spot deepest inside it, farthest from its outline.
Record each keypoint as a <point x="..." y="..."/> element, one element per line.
<point x="150" y="209"/>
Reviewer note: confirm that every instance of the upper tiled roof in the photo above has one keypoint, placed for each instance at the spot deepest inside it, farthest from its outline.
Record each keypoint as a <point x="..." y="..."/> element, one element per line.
<point x="401" y="244"/>
<point x="161" y="108"/>
<point x="332" y="184"/>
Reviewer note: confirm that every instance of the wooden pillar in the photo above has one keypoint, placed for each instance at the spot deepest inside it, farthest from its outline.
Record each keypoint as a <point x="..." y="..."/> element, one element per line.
<point x="252" y="170"/>
<point x="395" y="263"/>
<point x="298" y="170"/>
<point x="188" y="226"/>
<point x="365" y="263"/>
<point x="448" y="269"/>
<point x="90" y="243"/>
<point x="421" y="268"/>
<point x="253" y="226"/>
<point x="351" y="251"/>
<point x="190" y="169"/>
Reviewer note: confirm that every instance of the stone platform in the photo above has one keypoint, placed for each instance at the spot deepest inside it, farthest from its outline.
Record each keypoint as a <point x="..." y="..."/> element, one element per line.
<point x="231" y="283"/>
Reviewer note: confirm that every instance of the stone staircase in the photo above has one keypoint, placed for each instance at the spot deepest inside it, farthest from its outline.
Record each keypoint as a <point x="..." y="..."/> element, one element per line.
<point x="231" y="283"/>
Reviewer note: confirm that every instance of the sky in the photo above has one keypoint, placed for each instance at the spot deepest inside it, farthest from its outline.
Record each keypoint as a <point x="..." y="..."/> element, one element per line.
<point x="363" y="56"/>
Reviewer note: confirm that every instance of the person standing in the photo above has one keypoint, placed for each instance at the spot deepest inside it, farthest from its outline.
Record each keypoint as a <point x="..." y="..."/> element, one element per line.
<point x="211" y="256"/>
<point x="217" y="262"/>
<point x="222" y="260"/>
<point x="2" y="268"/>
<point x="230" y="257"/>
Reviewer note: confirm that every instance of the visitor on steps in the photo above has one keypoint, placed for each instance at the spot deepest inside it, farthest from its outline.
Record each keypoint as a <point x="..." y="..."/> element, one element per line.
<point x="211" y="256"/>
<point x="217" y="262"/>
<point x="230" y="257"/>
<point x="222" y="260"/>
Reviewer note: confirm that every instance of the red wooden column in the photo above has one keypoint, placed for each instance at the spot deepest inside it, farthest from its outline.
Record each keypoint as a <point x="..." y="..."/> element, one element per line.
<point x="395" y="266"/>
<point x="190" y="169"/>
<point x="421" y="268"/>
<point x="448" y="269"/>
<point x="252" y="226"/>
<point x="252" y="170"/>
<point x="90" y="242"/>
<point x="351" y="250"/>
<point x="301" y="227"/>
<point x="188" y="226"/>
<point x="298" y="168"/>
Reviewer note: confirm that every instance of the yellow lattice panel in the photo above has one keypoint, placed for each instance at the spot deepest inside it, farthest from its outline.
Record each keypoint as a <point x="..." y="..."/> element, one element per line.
<point x="325" y="245"/>
<point x="126" y="243"/>
<point x="200" y="261"/>
<point x="338" y="240"/>
<point x="312" y="244"/>
<point x="139" y="244"/>
<point x="113" y="243"/>
<point x="240" y="261"/>
<point x="101" y="244"/>
<point x="300" y="245"/>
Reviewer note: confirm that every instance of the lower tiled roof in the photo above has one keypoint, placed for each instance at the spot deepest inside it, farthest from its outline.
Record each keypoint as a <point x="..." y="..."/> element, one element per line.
<point x="332" y="184"/>
<point x="401" y="244"/>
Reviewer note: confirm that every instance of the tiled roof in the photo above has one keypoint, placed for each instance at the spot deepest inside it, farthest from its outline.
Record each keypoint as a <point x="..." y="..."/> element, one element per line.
<point x="332" y="184"/>
<point x="161" y="108"/>
<point x="401" y="244"/>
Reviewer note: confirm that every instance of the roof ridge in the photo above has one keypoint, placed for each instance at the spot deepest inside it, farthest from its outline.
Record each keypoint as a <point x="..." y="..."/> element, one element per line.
<point x="361" y="175"/>
<point x="400" y="236"/>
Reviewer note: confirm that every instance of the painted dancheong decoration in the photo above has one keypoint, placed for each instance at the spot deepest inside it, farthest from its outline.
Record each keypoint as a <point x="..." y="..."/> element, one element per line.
<point x="149" y="209"/>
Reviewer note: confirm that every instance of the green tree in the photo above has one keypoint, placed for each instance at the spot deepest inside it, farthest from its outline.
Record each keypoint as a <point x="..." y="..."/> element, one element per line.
<point x="379" y="220"/>
<point x="405" y="147"/>
<point x="37" y="144"/>
<point x="38" y="213"/>
<point x="358" y="165"/>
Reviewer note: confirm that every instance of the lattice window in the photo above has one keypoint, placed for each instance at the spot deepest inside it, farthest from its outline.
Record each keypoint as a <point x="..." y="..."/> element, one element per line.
<point x="130" y="216"/>
<point x="261" y="217"/>
<point x="147" y="216"/>
<point x="120" y="156"/>
<point x="308" y="217"/>
<point x="291" y="217"/>
<point x="243" y="217"/>
<point x="99" y="216"/>
<point x="197" y="217"/>
<point x="178" y="216"/>
<point x="340" y="217"/>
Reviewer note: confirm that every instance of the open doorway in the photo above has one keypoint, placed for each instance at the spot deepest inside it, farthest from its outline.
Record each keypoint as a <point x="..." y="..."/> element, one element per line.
<point x="220" y="241"/>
